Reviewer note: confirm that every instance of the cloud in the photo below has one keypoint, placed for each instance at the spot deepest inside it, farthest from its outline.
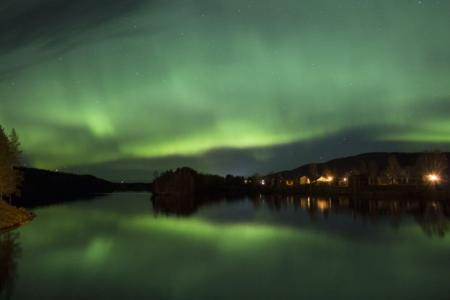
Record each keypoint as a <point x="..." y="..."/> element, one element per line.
<point x="54" y="22"/>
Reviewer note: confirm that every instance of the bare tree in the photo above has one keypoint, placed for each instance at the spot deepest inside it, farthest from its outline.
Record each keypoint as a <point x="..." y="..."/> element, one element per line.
<point x="432" y="162"/>
<point x="313" y="171"/>
<point x="373" y="172"/>
<point x="361" y="167"/>
<point x="393" y="170"/>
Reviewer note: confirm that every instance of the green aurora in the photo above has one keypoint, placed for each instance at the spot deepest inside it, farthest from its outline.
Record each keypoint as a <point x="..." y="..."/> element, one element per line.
<point x="93" y="83"/>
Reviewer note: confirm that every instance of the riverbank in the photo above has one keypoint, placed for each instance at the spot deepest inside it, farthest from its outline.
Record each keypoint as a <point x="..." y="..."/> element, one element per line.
<point x="11" y="216"/>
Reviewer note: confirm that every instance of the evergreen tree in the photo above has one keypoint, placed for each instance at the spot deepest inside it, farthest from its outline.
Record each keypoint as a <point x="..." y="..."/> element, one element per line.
<point x="4" y="162"/>
<point x="10" y="178"/>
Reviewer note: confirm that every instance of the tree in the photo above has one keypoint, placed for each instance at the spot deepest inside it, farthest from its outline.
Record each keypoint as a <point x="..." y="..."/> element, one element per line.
<point x="10" y="178"/>
<point x="393" y="171"/>
<point x="362" y="167"/>
<point x="432" y="162"/>
<point x="4" y="162"/>
<point x="313" y="171"/>
<point x="373" y="172"/>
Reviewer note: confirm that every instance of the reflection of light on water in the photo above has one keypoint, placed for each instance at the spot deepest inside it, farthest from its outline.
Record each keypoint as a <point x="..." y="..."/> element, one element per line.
<point x="122" y="255"/>
<point x="323" y="204"/>
<point x="303" y="203"/>
<point x="344" y="202"/>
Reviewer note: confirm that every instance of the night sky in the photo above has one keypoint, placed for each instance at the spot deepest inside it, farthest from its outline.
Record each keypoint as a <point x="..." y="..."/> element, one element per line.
<point x="122" y="88"/>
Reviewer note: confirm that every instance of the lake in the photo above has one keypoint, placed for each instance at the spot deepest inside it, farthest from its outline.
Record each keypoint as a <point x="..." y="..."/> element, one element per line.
<point x="125" y="246"/>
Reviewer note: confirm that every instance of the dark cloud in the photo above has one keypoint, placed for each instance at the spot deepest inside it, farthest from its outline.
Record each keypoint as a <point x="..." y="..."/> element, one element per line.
<point x="260" y="160"/>
<point x="54" y="22"/>
<point x="57" y="27"/>
<point x="433" y="108"/>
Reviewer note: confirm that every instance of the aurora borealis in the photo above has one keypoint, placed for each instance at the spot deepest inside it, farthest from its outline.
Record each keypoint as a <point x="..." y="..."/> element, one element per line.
<point x="222" y="85"/>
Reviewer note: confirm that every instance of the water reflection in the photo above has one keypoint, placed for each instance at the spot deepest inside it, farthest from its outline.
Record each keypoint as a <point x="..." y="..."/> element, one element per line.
<point x="432" y="215"/>
<point x="9" y="255"/>
<point x="184" y="205"/>
<point x="246" y="248"/>
<point x="434" y="218"/>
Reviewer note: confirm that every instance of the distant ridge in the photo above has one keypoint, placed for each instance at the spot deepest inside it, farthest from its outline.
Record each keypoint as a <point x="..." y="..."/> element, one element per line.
<point x="341" y="166"/>
<point x="43" y="186"/>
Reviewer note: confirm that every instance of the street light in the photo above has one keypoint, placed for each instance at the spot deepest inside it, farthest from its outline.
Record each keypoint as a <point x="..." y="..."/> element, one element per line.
<point x="433" y="178"/>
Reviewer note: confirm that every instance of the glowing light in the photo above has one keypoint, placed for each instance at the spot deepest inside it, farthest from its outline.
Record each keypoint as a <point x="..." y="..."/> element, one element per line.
<point x="433" y="178"/>
<point x="304" y="180"/>
<point x="323" y="204"/>
<point x="263" y="182"/>
<point x="327" y="179"/>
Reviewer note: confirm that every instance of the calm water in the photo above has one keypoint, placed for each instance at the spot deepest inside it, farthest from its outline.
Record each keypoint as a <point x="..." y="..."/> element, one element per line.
<point x="123" y="246"/>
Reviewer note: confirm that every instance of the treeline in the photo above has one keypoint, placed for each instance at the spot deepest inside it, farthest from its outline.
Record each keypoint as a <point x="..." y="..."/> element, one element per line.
<point x="186" y="181"/>
<point x="10" y="178"/>
<point x="379" y="169"/>
<point x="402" y="168"/>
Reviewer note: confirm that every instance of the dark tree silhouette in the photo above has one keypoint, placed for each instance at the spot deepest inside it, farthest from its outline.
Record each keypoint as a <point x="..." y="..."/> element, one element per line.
<point x="393" y="170"/>
<point x="362" y="167"/>
<point x="313" y="171"/>
<point x="373" y="172"/>
<point x="10" y="178"/>
<point x="432" y="162"/>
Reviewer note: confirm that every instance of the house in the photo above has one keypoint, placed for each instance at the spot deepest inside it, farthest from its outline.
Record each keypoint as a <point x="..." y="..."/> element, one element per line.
<point x="343" y="181"/>
<point x="289" y="182"/>
<point x="325" y="180"/>
<point x="304" y="180"/>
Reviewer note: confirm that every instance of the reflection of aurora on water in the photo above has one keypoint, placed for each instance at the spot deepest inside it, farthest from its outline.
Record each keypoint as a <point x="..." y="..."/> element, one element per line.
<point x="259" y="247"/>
<point x="433" y="216"/>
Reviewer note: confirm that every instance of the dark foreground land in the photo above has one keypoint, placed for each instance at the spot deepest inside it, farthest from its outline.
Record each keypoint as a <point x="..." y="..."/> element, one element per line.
<point x="186" y="182"/>
<point x="366" y="176"/>
<point x="42" y="187"/>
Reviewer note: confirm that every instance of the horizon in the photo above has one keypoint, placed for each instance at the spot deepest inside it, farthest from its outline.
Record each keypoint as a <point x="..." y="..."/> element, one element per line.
<point x="120" y="89"/>
<point x="150" y="178"/>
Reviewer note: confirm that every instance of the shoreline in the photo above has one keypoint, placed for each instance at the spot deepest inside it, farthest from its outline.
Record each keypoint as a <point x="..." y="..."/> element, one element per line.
<point x="12" y="217"/>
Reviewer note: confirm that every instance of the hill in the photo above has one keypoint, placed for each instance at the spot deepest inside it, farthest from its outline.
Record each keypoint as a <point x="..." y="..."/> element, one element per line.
<point x="362" y="163"/>
<point x="43" y="187"/>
